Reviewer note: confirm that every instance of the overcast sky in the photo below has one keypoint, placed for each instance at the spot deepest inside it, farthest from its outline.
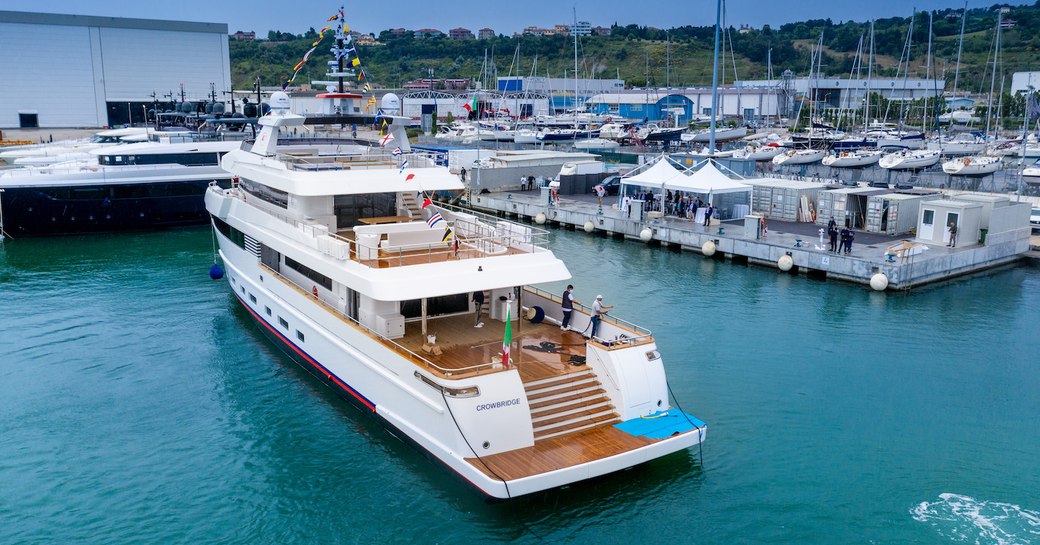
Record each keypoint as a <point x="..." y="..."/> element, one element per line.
<point x="505" y="18"/>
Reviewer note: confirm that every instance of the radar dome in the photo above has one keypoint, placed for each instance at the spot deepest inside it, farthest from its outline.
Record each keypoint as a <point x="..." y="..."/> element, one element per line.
<point x="391" y="104"/>
<point x="279" y="101"/>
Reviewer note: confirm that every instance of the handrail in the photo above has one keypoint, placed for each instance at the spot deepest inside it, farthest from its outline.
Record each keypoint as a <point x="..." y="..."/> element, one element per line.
<point x="641" y="331"/>
<point x="484" y="238"/>
<point x="491" y="219"/>
<point x="354" y="161"/>
<point x="442" y="370"/>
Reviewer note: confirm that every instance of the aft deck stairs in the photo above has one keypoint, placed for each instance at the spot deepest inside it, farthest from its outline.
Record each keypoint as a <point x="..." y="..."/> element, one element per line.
<point x="410" y="205"/>
<point x="569" y="403"/>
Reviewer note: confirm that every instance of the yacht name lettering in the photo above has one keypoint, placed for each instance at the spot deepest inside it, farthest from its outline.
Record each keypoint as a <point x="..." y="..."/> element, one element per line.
<point x="498" y="404"/>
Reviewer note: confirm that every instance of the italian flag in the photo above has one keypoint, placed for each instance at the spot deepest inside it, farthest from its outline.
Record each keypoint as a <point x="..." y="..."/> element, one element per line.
<point x="471" y="105"/>
<point x="507" y="340"/>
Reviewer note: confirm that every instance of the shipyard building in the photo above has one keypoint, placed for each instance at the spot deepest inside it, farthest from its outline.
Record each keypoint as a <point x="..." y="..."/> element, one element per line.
<point x="84" y="71"/>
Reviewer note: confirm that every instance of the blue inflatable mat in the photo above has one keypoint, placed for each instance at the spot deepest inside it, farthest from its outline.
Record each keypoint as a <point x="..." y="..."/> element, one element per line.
<point x="660" y="425"/>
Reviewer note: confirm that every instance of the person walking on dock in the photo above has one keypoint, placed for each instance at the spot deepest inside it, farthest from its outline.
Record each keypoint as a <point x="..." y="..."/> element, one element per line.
<point x="832" y="232"/>
<point x="567" y="306"/>
<point x="953" y="235"/>
<point x="846" y="240"/>
<point x="598" y="310"/>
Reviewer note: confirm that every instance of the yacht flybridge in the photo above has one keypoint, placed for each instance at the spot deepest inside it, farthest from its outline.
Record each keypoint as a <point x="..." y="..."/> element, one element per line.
<point x="363" y="281"/>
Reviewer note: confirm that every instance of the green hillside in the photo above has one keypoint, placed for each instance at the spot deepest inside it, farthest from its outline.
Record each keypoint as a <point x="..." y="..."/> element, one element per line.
<point x="640" y="53"/>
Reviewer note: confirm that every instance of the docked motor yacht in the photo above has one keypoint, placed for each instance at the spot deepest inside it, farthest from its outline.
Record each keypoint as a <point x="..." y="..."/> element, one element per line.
<point x="147" y="185"/>
<point x="346" y="264"/>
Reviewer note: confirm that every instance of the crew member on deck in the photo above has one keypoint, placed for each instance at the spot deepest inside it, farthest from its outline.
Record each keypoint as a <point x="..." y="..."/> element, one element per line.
<point x="598" y="311"/>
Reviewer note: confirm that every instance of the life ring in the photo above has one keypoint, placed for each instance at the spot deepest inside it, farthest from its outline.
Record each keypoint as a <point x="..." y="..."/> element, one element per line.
<point x="314" y="291"/>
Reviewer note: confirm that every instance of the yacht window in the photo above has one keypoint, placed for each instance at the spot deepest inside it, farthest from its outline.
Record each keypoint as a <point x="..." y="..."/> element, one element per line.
<point x="310" y="273"/>
<point x="299" y="335"/>
<point x="252" y="298"/>
<point x="436" y="306"/>
<point x="351" y="208"/>
<point x="268" y="310"/>
<point x="229" y="232"/>
<point x="190" y="159"/>
<point x="283" y="323"/>
<point x="264" y="193"/>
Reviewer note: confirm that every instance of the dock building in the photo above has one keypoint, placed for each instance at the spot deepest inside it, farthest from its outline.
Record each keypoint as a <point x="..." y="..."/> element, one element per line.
<point x="112" y="70"/>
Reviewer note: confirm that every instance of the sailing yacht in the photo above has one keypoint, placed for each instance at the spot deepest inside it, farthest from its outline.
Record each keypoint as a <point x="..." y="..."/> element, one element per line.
<point x="910" y="159"/>
<point x="976" y="165"/>
<point x="852" y="159"/>
<point x="799" y="157"/>
<point x="338" y="262"/>
<point x="1031" y="174"/>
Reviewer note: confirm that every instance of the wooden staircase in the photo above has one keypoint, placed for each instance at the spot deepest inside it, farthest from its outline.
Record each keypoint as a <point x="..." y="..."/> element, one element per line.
<point x="411" y="205"/>
<point x="569" y="403"/>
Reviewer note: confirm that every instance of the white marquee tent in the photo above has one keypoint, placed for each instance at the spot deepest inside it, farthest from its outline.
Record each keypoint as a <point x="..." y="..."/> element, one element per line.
<point x="731" y="197"/>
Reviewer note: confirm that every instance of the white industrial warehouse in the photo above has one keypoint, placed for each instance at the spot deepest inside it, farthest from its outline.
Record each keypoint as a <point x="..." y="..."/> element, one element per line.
<point x="84" y="71"/>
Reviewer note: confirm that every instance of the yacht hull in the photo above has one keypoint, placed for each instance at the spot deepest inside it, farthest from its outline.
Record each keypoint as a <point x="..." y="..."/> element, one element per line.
<point x="852" y="160"/>
<point x="104" y="208"/>
<point x="380" y="382"/>
<point x="801" y="157"/>
<point x="971" y="166"/>
<point x="909" y="161"/>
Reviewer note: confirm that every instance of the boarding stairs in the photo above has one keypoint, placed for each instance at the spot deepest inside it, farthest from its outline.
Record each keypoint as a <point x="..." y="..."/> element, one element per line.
<point x="567" y="404"/>
<point x="410" y="205"/>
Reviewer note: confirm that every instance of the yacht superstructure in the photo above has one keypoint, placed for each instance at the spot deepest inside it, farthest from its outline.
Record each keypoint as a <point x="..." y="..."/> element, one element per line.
<point x="362" y="280"/>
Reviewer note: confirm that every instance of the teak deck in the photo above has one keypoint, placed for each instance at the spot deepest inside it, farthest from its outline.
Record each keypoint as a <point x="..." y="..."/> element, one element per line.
<point x="559" y="452"/>
<point x="465" y="346"/>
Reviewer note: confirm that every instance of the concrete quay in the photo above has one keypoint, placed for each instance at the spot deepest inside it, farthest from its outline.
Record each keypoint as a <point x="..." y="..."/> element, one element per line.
<point x="799" y="241"/>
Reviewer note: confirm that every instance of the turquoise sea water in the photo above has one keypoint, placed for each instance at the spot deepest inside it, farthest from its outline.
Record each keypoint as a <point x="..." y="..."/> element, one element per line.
<point x="139" y="404"/>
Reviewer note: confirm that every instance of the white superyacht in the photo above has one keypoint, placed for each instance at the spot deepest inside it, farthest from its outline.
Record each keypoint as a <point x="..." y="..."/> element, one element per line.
<point x="365" y="283"/>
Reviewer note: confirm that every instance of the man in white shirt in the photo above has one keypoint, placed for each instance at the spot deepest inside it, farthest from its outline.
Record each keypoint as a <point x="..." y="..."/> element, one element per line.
<point x="598" y="310"/>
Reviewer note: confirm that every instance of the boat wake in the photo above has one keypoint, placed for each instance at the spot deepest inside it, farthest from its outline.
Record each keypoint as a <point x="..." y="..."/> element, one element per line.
<point x="964" y="519"/>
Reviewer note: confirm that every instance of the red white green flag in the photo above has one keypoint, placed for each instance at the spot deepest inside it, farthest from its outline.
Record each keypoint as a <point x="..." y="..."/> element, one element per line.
<point x="471" y="106"/>
<point x="508" y="340"/>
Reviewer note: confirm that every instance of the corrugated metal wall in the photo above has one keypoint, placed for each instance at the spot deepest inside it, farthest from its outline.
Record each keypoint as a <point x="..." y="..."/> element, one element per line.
<point x="67" y="73"/>
<point x="47" y="70"/>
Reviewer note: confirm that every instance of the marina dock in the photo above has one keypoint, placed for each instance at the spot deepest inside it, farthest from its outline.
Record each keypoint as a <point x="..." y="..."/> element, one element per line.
<point x="791" y="247"/>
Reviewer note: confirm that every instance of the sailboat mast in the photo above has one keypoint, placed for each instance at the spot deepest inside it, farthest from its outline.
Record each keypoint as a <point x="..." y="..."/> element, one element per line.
<point x="870" y="74"/>
<point x="993" y="76"/>
<point x="927" y="73"/>
<point x="715" y="80"/>
<point x="960" y="48"/>
<point x="906" y="73"/>
<point x="574" y="31"/>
